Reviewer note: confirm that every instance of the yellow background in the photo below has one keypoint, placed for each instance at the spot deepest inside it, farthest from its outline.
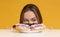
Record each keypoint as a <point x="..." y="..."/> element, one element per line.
<point x="10" y="12"/>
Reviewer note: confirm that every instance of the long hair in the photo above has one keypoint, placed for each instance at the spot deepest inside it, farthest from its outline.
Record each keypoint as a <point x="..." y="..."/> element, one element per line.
<point x="35" y="10"/>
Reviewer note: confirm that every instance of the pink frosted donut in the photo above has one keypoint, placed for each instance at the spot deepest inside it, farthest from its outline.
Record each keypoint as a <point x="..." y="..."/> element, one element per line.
<point x="22" y="25"/>
<point x="36" y="26"/>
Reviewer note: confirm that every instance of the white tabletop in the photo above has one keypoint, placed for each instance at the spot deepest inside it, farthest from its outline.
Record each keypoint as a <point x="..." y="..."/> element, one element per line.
<point x="45" y="33"/>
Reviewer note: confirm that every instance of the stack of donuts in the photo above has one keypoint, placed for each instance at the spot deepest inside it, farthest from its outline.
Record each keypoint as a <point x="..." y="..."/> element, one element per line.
<point x="27" y="28"/>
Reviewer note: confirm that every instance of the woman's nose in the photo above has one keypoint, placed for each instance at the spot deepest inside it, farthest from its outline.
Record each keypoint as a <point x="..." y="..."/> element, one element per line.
<point x="30" y="22"/>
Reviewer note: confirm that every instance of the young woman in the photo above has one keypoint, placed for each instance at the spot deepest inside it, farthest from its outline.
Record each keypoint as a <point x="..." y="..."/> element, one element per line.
<point x="30" y="16"/>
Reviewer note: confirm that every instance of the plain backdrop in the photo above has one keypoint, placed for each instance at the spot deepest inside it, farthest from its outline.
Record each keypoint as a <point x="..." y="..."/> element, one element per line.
<point x="10" y="12"/>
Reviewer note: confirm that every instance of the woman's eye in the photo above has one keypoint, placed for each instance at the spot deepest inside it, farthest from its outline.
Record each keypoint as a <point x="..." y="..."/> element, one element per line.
<point x="33" y="19"/>
<point x="25" y="20"/>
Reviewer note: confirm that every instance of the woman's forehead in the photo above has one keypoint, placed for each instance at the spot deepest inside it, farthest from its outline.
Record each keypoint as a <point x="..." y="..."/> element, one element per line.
<point x="29" y="14"/>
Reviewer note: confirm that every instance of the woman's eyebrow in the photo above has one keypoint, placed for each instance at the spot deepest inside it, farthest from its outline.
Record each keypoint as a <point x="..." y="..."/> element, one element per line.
<point x="25" y="18"/>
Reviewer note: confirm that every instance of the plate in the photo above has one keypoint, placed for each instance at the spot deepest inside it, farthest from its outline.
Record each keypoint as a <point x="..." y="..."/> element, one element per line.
<point x="34" y="31"/>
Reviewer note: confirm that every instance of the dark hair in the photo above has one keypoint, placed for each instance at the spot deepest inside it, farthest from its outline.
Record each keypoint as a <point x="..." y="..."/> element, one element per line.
<point x="33" y="8"/>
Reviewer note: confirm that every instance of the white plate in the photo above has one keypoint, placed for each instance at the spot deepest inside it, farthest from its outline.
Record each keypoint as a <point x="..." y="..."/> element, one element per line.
<point x="35" y="31"/>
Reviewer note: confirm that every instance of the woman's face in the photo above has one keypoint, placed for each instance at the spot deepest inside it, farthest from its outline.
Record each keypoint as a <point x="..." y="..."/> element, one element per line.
<point x="29" y="17"/>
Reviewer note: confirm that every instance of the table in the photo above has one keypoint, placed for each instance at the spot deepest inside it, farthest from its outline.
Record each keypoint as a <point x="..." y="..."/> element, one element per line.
<point x="45" y="33"/>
